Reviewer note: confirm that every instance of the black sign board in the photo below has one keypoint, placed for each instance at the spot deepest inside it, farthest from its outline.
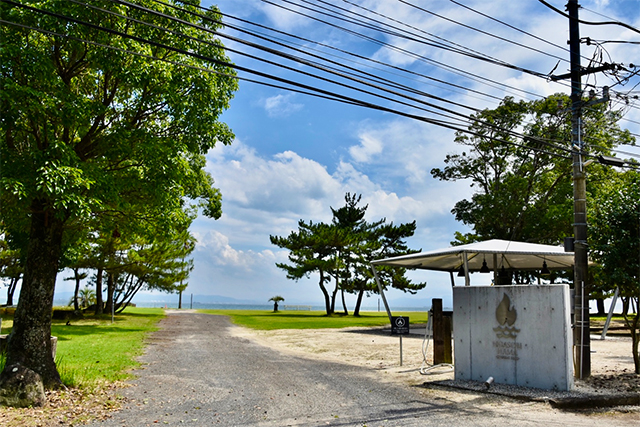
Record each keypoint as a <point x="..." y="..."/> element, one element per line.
<point x="400" y="325"/>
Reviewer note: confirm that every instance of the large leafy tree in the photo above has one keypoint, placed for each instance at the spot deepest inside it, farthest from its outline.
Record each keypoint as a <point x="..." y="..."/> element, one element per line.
<point x="88" y="131"/>
<point x="517" y="159"/>
<point x="615" y="243"/>
<point x="365" y="242"/>
<point x="350" y="225"/>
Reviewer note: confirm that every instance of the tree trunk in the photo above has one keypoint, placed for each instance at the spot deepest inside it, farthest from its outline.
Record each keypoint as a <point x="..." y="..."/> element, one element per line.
<point x="76" y="306"/>
<point x="633" y="326"/>
<point x="99" y="302"/>
<point x="344" y="304"/>
<point x="635" y="339"/>
<point x="12" y="288"/>
<point x="110" y="291"/>
<point x="327" y="302"/>
<point x="29" y="343"/>
<point x="600" y="306"/>
<point x="356" y="311"/>
<point x="180" y="300"/>
<point x="625" y="306"/>
<point x="333" y="296"/>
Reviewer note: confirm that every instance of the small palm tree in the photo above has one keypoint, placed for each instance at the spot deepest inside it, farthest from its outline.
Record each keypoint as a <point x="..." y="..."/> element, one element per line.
<point x="276" y="300"/>
<point x="86" y="297"/>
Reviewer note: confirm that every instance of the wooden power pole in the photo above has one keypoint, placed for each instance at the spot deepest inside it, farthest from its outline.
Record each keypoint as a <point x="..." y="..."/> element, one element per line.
<point x="581" y="332"/>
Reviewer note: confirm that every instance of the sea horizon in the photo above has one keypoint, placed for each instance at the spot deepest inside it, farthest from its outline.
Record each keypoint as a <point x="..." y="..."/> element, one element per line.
<point x="266" y="307"/>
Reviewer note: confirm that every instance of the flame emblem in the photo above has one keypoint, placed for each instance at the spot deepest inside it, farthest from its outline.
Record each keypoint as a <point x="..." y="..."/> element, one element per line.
<point x="504" y="312"/>
<point x="506" y="317"/>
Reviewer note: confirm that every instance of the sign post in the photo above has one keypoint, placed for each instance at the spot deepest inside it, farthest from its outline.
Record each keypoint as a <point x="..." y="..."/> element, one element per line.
<point x="400" y="326"/>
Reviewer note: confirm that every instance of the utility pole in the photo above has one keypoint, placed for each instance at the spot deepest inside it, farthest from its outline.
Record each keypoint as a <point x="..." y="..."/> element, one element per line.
<point x="581" y="331"/>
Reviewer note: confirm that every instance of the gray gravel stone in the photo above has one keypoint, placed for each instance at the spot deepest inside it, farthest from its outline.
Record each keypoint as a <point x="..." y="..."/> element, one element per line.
<point x="196" y="373"/>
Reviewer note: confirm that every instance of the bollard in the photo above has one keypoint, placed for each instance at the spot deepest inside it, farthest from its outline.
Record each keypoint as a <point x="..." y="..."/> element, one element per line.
<point x="441" y="334"/>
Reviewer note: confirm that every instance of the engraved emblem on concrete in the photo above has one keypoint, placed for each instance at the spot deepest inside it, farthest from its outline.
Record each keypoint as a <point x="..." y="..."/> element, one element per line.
<point x="506" y="317"/>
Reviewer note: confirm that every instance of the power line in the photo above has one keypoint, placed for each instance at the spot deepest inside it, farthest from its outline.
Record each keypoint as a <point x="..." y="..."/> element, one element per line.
<point x="412" y="37"/>
<point x="444" y="83"/>
<point x="480" y="31"/>
<point x="326" y="94"/>
<point x="581" y="21"/>
<point x="296" y="59"/>
<point x="466" y="74"/>
<point x="299" y="86"/>
<point x="515" y="28"/>
<point x="404" y="70"/>
<point x="548" y="142"/>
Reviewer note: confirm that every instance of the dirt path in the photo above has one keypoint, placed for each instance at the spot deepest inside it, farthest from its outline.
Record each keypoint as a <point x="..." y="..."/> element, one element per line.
<point x="375" y="348"/>
<point x="201" y="370"/>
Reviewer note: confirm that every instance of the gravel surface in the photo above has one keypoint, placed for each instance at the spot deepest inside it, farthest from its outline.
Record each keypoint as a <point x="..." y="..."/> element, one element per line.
<point x="199" y="371"/>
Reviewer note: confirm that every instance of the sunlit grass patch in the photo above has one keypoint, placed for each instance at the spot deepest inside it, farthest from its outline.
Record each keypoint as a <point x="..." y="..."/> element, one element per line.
<point x="94" y="350"/>
<point x="268" y="320"/>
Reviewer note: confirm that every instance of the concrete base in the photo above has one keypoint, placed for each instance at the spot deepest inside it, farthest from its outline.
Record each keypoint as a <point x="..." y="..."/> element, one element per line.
<point x="515" y="334"/>
<point x="54" y="345"/>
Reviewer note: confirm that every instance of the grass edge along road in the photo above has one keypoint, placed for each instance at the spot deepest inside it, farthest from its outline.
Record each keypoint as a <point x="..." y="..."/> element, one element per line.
<point x="93" y="366"/>
<point x="92" y="350"/>
<point x="269" y="320"/>
<point x="87" y="355"/>
<point x="93" y="357"/>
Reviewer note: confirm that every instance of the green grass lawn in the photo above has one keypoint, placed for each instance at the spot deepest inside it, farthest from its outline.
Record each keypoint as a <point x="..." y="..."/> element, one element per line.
<point x="267" y="320"/>
<point x="614" y="317"/>
<point x="94" y="350"/>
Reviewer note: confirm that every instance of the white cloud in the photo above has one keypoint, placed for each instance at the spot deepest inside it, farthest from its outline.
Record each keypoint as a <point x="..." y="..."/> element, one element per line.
<point x="402" y="149"/>
<point x="219" y="251"/>
<point x="282" y="18"/>
<point x="265" y="196"/>
<point x="281" y="105"/>
<point x="368" y="147"/>
<point x="286" y="183"/>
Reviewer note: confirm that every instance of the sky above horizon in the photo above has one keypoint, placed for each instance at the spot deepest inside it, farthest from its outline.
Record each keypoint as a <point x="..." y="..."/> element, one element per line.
<point x="294" y="156"/>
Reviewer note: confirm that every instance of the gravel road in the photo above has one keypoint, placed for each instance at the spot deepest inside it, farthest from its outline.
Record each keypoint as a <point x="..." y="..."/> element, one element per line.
<point x="196" y="372"/>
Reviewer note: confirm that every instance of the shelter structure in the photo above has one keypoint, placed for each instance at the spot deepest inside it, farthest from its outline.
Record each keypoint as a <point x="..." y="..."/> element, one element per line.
<point x="514" y="334"/>
<point x="489" y="256"/>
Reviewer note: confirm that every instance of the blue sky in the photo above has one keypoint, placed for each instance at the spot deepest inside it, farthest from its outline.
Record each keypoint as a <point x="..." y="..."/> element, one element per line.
<point x="295" y="155"/>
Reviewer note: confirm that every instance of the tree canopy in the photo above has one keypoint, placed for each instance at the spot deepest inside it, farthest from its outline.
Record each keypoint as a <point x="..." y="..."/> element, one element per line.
<point x="518" y="162"/>
<point x="106" y="114"/>
<point x="615" y="242"/>
<point x="344" y="249"/>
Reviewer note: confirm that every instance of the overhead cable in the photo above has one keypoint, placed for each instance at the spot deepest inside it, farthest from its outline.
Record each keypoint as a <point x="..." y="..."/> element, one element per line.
<point x="454" y="70"/>
<point x="486" y="33"/>
<point x="622" y="24"/>
<point x="296" y="59"/>
<point x="300" y="86"/>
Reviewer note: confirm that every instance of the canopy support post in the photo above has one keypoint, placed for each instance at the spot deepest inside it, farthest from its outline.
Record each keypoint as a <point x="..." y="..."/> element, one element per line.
<point x="384" y="299"/>
<point x="495" y="269"/>
<point x="613" y="304"/>
<point x="467" y="281"/>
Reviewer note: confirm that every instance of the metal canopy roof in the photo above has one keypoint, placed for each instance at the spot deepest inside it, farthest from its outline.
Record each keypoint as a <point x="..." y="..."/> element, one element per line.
<point x="497" y="253"/>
